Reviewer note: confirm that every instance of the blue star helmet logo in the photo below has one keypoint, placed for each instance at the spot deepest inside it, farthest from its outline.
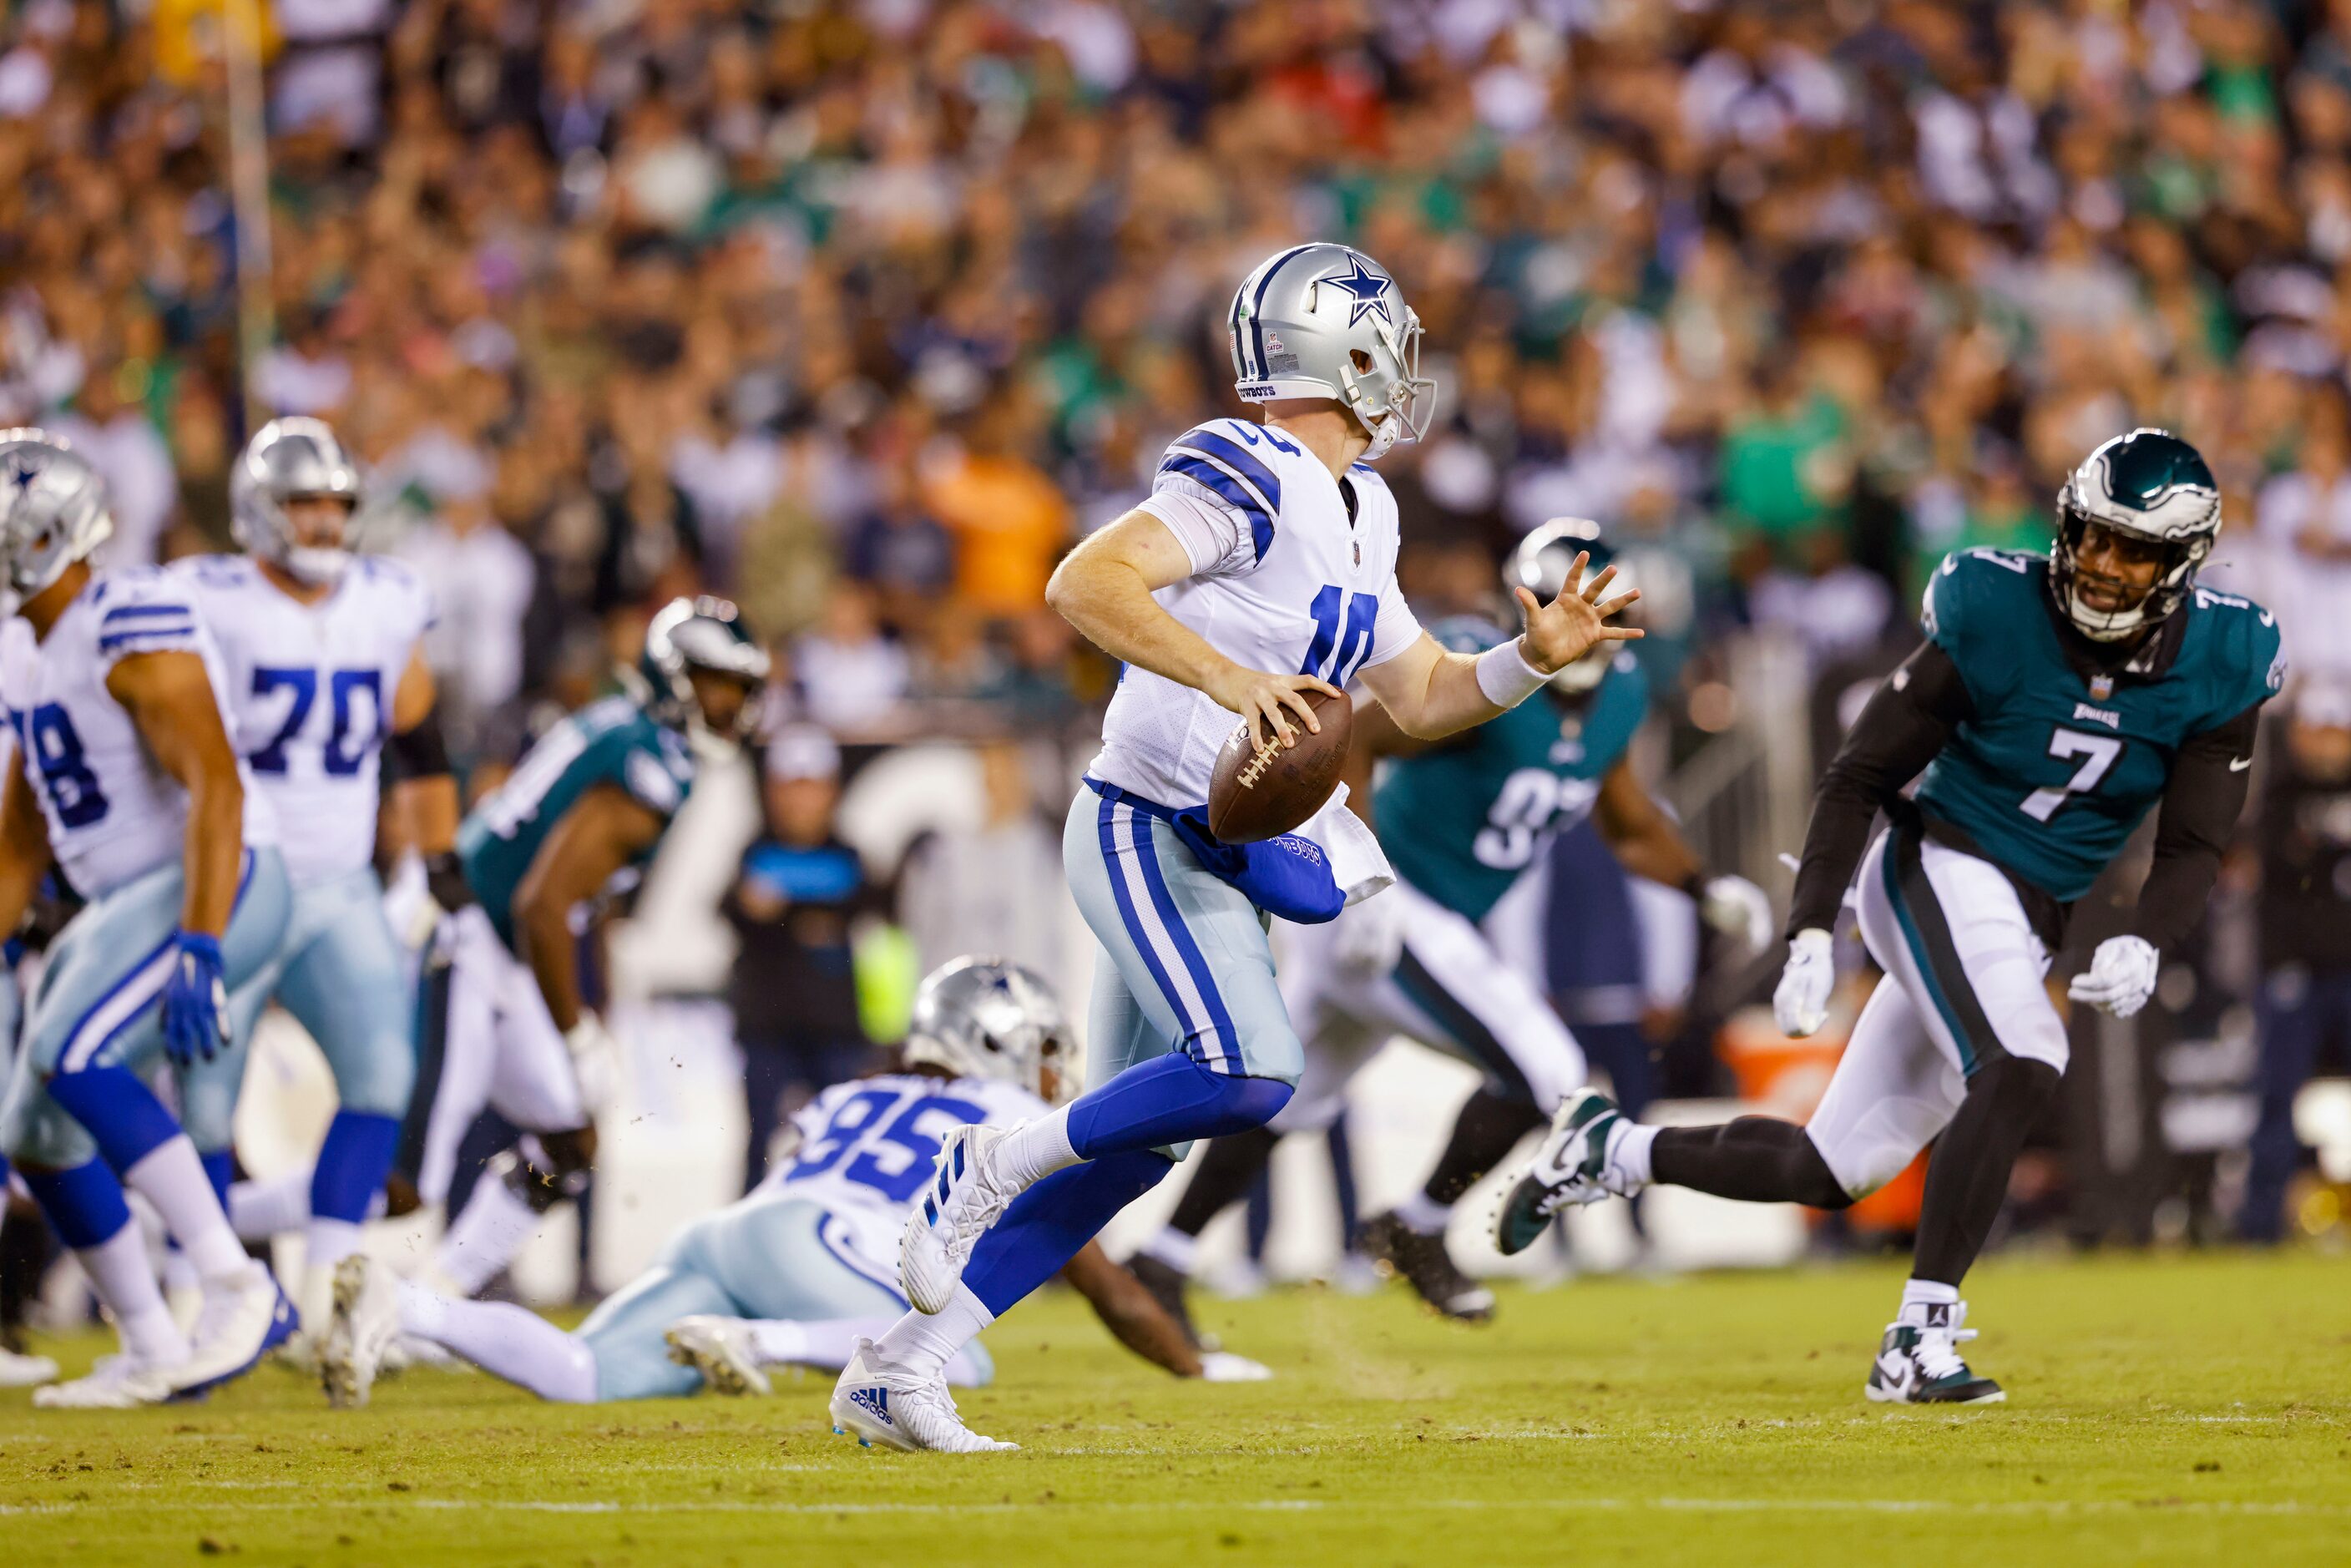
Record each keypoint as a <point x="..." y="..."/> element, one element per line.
<point x="1367" y="291"/>
<point x="23" y="471"/>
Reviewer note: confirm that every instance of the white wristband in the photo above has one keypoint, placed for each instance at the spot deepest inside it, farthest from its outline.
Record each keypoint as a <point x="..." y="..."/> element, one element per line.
<point x="1506" y="677"/>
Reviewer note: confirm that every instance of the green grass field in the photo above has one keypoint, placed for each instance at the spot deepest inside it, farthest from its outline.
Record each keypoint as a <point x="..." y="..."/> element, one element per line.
<point x="2161" y="1410"/>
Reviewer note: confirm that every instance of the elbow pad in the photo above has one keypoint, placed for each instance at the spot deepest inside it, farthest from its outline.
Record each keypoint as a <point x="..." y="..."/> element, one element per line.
<point x="418" y="753"/>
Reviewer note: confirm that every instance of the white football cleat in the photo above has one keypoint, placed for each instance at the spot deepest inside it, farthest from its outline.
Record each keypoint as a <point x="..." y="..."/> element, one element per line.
<point x="115" y="1383"/>
<point x="246" y="1316"/>
<point x="364" y="1320"/>
<point x="23" y="1371"/>
<point x="721" y="1349"/>
<point x="1573" y="1165"/>
<point x="875" y="1403"/>
<point x="968" y="1196"/>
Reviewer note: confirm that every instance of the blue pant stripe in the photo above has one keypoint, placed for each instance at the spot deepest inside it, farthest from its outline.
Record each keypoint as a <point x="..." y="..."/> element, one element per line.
<point x="860" y="1269"/>
<point x="1227" y="1052"/>
<point x="1111" y="813"/>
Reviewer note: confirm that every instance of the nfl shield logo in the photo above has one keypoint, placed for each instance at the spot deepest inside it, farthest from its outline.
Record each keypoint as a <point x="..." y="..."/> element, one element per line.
<point x="2101" y="687"/>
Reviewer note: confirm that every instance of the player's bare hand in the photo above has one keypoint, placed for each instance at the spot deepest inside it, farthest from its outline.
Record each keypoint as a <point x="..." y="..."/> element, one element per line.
<point x="1272" y="703"/>
<point x="1559" y="633"/>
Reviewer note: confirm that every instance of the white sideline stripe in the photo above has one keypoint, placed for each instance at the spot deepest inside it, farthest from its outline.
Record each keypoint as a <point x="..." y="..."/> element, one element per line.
<point x="145" y="984"/>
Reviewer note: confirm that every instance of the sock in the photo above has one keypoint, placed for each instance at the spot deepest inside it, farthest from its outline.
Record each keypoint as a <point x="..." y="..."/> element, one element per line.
<point x="1030" y="1153"/>
<point x="353" y="1159"/>
<point x="1635" y="1151"/>
<point x="125" y="1279"/>
<point x="485" y="1237"/>
<point x="504" y="1341"/>
<point x="826" y="1343"/>
<point x="1488" y="1128"/>
<point x="328" y="1241"/>
<point x="1423" y="1214"/>
<point x="1048" y="1224"/>
<point x="220" y="1170"/>
<point x="1227" y="1169"/>
<point x="1174" y="1248"/>
<point x="924" y="1343"/>
<point x="1917" y="1295"/>
<point x="119" y="1112"/>
<point x="1755" y="1159"/>
<point x="1967" y="1177"/>
<point x="261" y="1210"/>
<point x="172" y="1178"/>
<point x="1169" y="1099"/>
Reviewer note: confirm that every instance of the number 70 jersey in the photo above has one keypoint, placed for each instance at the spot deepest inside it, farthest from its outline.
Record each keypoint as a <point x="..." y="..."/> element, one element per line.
<point x="310" y="691"/>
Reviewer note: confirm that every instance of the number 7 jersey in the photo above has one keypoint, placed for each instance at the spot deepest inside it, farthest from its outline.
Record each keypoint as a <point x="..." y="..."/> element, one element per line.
<point x="310" y="692"/>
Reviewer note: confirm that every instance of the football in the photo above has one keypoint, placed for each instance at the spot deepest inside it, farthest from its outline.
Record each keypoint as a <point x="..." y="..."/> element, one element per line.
<point x="1262" y="788"/>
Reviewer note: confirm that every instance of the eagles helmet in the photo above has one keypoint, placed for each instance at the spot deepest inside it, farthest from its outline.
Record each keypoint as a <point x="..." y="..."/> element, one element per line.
<point x="1541" y="565"/>
<point x="2149" y="485"/>
<point x="53" y="508"/>
<point x="1326" y="320"/>
<point x="292" y="459"/>
<point x="705" y="633"/>
<point x="990" y="1018"/>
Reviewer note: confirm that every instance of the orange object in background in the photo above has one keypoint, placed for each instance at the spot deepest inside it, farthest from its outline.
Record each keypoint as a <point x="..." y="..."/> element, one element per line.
<point x="1783" y="1077"/>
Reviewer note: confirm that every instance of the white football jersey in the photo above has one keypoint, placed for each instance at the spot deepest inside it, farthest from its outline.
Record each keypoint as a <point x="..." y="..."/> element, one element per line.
<point x="1291" y="574"/>
<point x="114" y="813"/>
<point x="869" y="1146"/>
<point x="310" y="694"/>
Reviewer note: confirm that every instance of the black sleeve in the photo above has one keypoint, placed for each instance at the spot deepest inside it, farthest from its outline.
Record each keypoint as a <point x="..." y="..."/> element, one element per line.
<point x="419" y="752"/>
<point x="2201" y="803"/>
<point x="1909" y="719"/>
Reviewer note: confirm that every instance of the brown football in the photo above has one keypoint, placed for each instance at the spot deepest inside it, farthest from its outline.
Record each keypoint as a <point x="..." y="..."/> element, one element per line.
<point x="1262" y="788"/>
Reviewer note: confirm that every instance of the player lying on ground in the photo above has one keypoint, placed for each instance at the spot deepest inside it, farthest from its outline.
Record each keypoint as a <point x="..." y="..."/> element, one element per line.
<point x="1462" y="820"/>
<point x="1263" y="550"/>
<point x="125" y="781"/>
<point x="800" y="1271"/>
<point x="2055" y="702"/>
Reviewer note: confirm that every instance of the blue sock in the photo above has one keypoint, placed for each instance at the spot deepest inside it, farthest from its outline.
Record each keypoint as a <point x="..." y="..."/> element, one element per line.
<point x="352" y="1163"/>
<point x="118" y="1109"/>
<point x="220" y="1169"/>
<point x="1170" y="1099"/>
<point x="1047" y="1225"/>
<point x="84" y="1206"/>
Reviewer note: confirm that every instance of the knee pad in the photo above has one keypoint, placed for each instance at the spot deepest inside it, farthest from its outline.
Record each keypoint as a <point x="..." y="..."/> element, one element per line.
<point x="39" y="1134"/>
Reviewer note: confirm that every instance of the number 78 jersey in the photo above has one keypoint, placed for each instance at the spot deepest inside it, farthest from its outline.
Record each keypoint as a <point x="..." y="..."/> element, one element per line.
<point x="2055" y="769"/>
<point x="310" y="691"/>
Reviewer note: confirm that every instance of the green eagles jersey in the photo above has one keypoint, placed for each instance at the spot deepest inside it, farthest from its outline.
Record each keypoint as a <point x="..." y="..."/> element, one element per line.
<point x="1462" y="820"/>
<point x="2055" y="769"/>
<point x="610" y="742"/>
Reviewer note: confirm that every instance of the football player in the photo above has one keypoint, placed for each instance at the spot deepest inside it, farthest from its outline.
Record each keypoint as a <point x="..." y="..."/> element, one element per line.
<point x="800" y="1272"/>
<point x="1261" y="569"/>
<point x="1462" y="820"/>
<point x="126" y="782"/>
<point x="326" y="682"/>
<point x="2055" y="702"/>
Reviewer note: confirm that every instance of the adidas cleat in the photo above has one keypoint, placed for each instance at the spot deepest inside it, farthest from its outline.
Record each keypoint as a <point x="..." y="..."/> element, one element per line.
<point x="1572" y="1168"/>
<point x="1424" y="1263"/>
<point x="878" y="1404"/>
<point x="721" y="1349"/>
<point x="1919" y="1363"/>
<point x="958" y="1208"/>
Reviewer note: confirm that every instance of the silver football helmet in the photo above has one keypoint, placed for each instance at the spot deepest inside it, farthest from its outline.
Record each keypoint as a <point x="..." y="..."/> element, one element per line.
<point x="1326" y="320"/>
<point x="288" y="460"/>
<point x="990" y="1018"/>
<point x="53" y="508"/>
<point x="1541" y="565"/>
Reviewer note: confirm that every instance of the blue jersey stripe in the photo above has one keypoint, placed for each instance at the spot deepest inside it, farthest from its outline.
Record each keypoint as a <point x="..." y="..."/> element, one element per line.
<point x="1257" y="308"/>
<point x="1240" y="459"/>
<point x="1225" y="482"/>
<point x="171" y="636"/>
<point x="133" y="612"/>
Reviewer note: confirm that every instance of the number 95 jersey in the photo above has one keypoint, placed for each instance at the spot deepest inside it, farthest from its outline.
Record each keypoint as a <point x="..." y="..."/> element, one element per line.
<point x="310" y="691"/>
<point x="2056" y="767"/>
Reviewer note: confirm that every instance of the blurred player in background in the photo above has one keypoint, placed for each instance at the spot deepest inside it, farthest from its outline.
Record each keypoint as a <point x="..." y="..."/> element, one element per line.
<point x="326" y="681"/>
<point x="17" y="1369"/>
<point x="125" y="780"/>
<point x="1262" y="568"/>
<point x="803" y="1269"/>
<point x="2055" y="702"/>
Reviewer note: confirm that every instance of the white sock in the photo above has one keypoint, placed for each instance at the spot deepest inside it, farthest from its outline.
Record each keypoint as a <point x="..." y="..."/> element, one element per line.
<point x="329" y="1242"/>
<point x="261" y="1210"/>
<point x="1174" y="1249"/>
<point x="485" y="1237"/>
<point x="506" y="1340"/>
<point x="1917" y="1295"/>
<point x="125" y="1279"/>
<point x="922" y="1344"/>
<point x="172" y="1178"/>
<point x="826" y="1343"/>
<point x="1423" y="1214"/>
<point x="1035" y="1150"/>
<point x="1632" y="1151"/>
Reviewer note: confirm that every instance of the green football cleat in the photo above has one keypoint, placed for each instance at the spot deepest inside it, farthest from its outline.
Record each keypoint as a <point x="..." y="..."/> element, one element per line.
<point x="1918" y="1364"/>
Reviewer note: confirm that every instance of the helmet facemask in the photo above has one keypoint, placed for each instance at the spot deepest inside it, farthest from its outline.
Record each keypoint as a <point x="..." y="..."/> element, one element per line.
<point x="291" y="459"/>
<point x="705" y="634"/>
<point x="2182" y="557"/>
<point x="1384" y="389"/>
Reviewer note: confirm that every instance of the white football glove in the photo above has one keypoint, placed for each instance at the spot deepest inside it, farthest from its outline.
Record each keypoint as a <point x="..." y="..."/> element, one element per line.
<point x="595" y="1061"/>
<point x="2120" y="977"/>
<point x="1368" y="939"/>
<point x="1739" y="910"/>
<point x="1801" y="1004"/>
<point x="1224" y="1366"/>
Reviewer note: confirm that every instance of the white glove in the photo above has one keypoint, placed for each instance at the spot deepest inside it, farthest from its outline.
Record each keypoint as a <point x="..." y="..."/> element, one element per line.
<point x="1801" y="1004"/>
<point x="595" y="1061"/>
<point x="2120" y="977"/>
<point x="1368" y="938"/>
<point x="1738" y="909"/>
<point x="1224" y="1366"/>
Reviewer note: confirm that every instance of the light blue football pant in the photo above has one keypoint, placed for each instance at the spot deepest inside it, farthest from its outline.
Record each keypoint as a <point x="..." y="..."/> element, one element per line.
<point x="770" y="1255"/>
<point x="1183" y="965"/>
<point x="98" y="1004"/>
<point x="339" y="972"/>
